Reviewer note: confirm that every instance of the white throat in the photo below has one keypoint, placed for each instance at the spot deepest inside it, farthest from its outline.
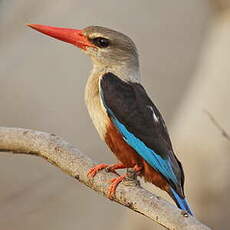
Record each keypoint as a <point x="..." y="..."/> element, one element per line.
<point x="122" y="71"/>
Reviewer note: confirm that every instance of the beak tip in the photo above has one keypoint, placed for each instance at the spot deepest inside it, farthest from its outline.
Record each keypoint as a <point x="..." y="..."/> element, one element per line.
<point x="33" y="26"/>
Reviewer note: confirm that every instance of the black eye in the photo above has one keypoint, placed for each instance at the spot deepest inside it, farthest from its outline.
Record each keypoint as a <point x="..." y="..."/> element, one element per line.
<point x="101" y="42"/>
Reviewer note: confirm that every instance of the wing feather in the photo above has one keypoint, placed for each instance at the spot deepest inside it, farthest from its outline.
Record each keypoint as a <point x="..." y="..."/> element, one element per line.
<point x="141" y="125"/>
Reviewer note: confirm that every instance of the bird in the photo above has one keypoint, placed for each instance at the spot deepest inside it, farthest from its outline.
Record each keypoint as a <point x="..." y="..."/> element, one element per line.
<point x="122" y="112"/>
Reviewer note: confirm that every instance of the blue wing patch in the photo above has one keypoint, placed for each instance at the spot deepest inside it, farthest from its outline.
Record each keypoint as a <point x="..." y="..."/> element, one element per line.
<point x="181" y="202"/>
<point x="156" y="161"/>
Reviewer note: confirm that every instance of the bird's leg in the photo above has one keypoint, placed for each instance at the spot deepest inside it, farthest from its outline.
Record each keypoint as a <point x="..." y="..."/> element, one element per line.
<point x="116" y="181"/>
<point x="93" y="171"/>
<point x="137" y="169"/>
<point x="109" y="168"/>
<point x="113" y="167"/>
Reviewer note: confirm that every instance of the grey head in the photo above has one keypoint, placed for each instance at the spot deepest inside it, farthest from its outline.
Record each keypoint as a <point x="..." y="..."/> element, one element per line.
<point x="113" y="51"/>
<point x="110" y="50"/>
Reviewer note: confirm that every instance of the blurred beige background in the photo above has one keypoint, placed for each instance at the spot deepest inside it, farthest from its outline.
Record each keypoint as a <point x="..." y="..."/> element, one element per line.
<point x="42" y="87"/>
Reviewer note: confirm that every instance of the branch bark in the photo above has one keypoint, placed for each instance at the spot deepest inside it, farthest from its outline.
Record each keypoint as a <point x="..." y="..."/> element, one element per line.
<point x="218" y="126"/>
<point x="70" y="160"/>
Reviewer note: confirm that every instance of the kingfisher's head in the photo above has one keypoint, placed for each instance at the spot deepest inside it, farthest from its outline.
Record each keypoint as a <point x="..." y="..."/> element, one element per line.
<point x="106" y="47"/>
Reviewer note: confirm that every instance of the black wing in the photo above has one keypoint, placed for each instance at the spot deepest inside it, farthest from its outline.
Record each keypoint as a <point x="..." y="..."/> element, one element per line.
<point x="138" y="120"/>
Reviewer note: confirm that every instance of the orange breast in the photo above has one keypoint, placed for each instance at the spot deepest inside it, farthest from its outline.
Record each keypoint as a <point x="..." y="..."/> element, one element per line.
<point x="126" y="154"/>
<point x="129" y="157"/>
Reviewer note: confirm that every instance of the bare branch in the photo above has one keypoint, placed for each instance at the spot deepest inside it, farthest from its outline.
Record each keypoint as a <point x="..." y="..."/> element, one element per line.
<point x="218" y="126"/>
<point x="69" y="159"/>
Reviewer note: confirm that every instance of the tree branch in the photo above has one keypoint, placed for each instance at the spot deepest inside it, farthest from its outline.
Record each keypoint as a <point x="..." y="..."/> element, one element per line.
<point x="70" y="160"/>
<point x="218" y="126"/>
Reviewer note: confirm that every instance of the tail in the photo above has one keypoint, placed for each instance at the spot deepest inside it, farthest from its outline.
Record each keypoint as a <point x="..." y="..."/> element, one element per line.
<point x="181" y="202"/>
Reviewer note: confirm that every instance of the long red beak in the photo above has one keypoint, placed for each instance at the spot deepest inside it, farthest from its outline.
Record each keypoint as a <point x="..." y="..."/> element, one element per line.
<point x="73" y="36"/>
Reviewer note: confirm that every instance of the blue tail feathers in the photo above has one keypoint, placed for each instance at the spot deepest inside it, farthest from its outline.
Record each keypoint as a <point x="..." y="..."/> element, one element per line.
<point x="181" y="202"/>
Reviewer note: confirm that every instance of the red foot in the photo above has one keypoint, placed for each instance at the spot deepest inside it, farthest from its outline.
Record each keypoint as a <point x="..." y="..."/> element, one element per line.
<point x="93" y="171"/>
<point x="137" y="168"/>
<point x="115" y="182"/>
<point x="113" y="167"/>
<point x="109" y="168"/>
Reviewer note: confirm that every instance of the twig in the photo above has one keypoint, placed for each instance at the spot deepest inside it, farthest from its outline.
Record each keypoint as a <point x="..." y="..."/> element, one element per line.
<point x="70" y="160"/>
<point x="214" y="121"/>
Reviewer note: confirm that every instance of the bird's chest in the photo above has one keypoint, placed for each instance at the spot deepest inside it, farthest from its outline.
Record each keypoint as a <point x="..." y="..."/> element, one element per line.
<point x="95" y="107"/>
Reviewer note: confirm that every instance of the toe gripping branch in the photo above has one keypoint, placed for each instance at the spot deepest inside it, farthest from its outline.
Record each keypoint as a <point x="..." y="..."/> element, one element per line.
<point x="109" y="168"/>
<point x="93" y="171"/>
<point x="115" y="181"/>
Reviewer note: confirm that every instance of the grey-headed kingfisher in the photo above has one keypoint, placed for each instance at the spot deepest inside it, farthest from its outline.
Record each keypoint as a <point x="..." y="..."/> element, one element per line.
<point x="122" y="112"/>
